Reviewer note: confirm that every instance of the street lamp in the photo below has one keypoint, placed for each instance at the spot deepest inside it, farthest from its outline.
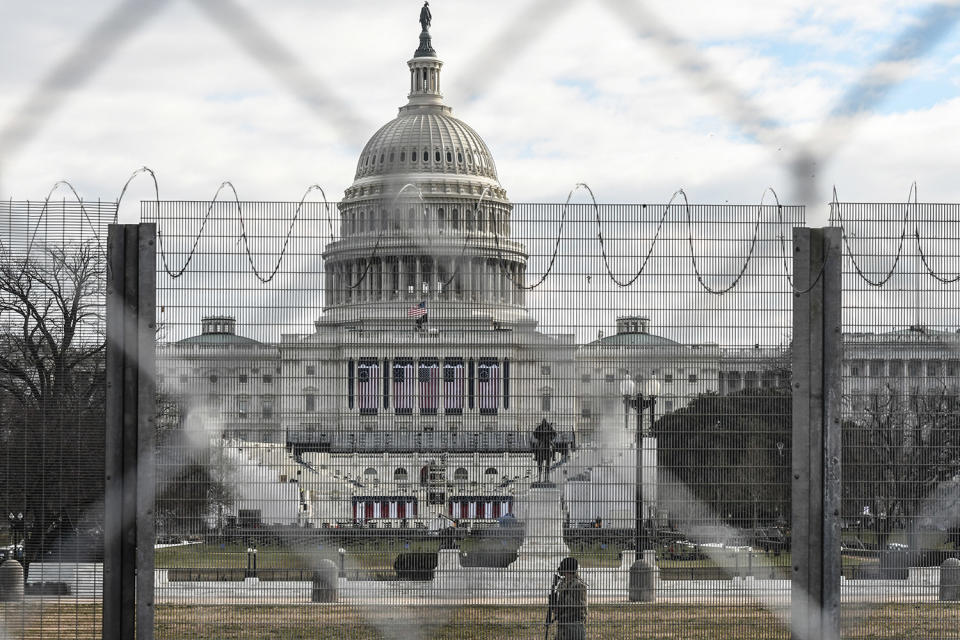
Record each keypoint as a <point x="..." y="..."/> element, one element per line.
<point x="639" y="400"/>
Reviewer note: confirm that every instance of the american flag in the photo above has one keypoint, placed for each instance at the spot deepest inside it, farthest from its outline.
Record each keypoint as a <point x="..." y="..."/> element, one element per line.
<point x="417" y="310"/>
<point x="403" y="381"/>
<point x="453" y="386"/>
<point x="488" y="387"/>
<point x="368" y="375"/>
<point x="429" y="379"/>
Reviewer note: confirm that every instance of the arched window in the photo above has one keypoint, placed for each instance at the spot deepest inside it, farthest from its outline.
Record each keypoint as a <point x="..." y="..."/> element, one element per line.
<point x="400" y="474"/>
<point x="449" y="157"/>
<point x="460" y="475"/>
<point x="441" y="221"/>
<point x="490" y="473"/>
<point x="403" y="155"/>
<point x="369" y="473"/>
<point x="460" y="157"/>
<point x="455" y="220"/>
<point x="413" y="156"/>
<point x="391" y="155"/>
<point x="436" y="156"/>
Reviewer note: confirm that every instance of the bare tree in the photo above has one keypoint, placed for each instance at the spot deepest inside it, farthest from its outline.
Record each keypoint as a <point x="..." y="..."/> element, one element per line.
<point x="898" y="448"/>
<point x="51" y="390"/>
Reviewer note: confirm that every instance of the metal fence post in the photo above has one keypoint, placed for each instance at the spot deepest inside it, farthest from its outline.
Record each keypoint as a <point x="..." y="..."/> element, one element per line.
<point x="129" y="482"/>
<point x="817" y="356"/>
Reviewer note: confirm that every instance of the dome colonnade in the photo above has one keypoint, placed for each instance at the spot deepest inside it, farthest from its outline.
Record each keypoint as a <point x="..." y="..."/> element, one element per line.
<point x="426" y="218"/>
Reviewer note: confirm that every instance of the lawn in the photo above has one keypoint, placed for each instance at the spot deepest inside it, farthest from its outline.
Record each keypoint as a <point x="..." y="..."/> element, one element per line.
<point x="608" y="622"/>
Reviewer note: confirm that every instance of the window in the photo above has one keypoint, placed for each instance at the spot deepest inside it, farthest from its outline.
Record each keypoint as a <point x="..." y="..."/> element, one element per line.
<point x="213" y="378"/>
<point x="310" y="401"/>
<point x="266" y="406"/>
<point x="586" y="411"/>
<point x="243" y="406"/>
<point x="668" y="377"/>
<point x="369" y="472"/>
<point x="267" y="378"/>
<point x="876" y="368"/>
<point x="403" y="156"/>
<point x="400" y="474"/>
<point x="933" y="368"/>
<point x="436" y="156"/>
<point x="609" y="378"/>
<point x="460" y="475"/>
<point x="545" y="402"/>
<point x="449" y="157"/>
<point x="490" y="474"/>
<point x="242" y="378"/>
<point x="668" y="406"/>
<point x="545" y="370"/>
<point x="854" y="371"/>
<point x="913" y="368"/>
<point x="692" y="378"/>
<point x="459" y="157"/>
<point x="311" y="370"/>
<point x="585" y="377"/>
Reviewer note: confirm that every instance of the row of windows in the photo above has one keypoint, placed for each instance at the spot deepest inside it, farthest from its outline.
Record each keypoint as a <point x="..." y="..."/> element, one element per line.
<point x="373" y="221"/>
<point x="612" y="377"/>
<point x="400" y="474"/>
<point x="913" y="368"/>
<point x="470" y="158"/>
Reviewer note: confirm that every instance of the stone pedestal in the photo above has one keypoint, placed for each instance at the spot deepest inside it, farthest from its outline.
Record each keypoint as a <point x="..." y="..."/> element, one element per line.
<point x="540" y="512"/>
<point x="531" y="574"/>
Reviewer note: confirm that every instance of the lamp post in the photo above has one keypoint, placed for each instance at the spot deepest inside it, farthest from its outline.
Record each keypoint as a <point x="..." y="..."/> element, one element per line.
<point x="639" y="400"/>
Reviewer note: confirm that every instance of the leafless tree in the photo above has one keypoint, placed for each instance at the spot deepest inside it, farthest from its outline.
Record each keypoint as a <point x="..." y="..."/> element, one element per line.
<point x="51" y="390"/>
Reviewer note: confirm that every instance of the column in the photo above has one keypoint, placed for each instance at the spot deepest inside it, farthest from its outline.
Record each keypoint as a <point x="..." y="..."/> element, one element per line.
<point x="351" y="280"/>
<point x="418" y="279"/>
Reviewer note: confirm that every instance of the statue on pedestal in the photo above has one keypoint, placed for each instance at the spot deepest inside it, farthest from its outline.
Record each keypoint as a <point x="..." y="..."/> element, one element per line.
<point x="543" y="451"/>
<point x="425" y="17"/>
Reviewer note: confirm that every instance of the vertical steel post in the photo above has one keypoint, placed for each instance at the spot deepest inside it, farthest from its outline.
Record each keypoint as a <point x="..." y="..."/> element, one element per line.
<point x="146" y="427"/>
<point x="128" y="497"/>
<point x="817" y="356"/>
<point x="113" y="441"/>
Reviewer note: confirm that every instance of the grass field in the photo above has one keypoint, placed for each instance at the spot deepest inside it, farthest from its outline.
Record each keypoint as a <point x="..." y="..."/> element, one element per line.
<point x="613" y="622"/>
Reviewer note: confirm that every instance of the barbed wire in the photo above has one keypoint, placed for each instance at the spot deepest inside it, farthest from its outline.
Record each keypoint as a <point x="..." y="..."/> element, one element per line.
<point x="835" y="205"/>
<point x="502" y="262"/>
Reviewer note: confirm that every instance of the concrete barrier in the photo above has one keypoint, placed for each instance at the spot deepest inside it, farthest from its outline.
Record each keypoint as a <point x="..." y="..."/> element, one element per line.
<point x="950" y="580"/>
<point x="325" y="582"/>
<point x="11" y="581"/>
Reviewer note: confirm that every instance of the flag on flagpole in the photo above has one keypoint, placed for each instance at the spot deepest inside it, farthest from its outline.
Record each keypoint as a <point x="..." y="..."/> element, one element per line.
<point x="417" y="310"/>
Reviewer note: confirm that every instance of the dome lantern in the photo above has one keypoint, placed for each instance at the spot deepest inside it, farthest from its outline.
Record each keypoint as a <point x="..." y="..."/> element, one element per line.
<point x="425" y="68"/>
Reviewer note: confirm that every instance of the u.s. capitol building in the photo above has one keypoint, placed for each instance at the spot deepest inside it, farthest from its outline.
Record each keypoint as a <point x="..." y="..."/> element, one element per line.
<point x="425" y="370"/>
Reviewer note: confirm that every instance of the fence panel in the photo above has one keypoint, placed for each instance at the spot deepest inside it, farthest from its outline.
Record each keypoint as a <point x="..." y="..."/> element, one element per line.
<point x="52" y="386"/>
<point x="900" y="427"/>
<point x="367" y="393"/>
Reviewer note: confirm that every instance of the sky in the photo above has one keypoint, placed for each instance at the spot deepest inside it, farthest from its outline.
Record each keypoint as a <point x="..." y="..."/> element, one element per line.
<point x="636" y="99"/>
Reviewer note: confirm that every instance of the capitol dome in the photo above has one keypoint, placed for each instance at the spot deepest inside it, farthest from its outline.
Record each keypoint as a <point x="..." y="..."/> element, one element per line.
<point x="425" y="221"/>
<point x="425" y="140"/>
<point x="425" y="146"/>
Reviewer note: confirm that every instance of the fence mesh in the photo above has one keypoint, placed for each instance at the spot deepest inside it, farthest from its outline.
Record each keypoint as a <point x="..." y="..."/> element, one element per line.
<point x="366" y="395"/>
<point x="900" y="428"/>
<point x="52" y="285"/>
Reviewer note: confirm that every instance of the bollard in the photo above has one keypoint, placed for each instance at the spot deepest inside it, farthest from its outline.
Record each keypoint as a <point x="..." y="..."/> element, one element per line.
<point x="641" y="582"/>
<point x="950" y="580"/>
<point x="324" y="582"/>
<point x="11" y="581"/>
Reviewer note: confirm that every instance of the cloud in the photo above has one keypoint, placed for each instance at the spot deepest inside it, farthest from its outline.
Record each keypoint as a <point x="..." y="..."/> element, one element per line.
<point x="584" y="100"/>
